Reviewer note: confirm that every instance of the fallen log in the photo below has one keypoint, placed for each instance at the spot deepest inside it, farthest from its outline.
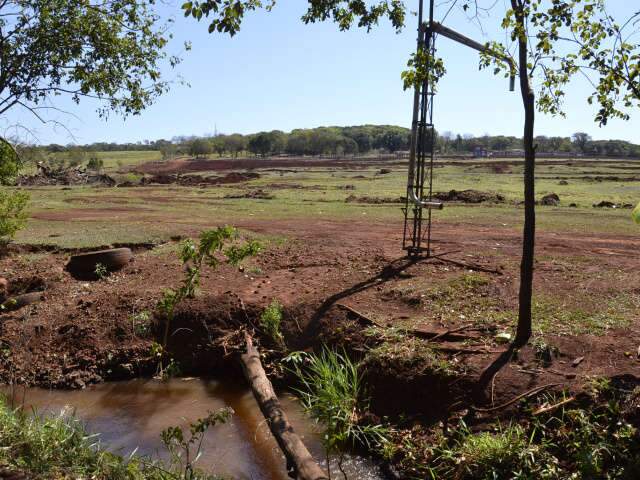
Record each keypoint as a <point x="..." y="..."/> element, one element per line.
<point x="300" y="463"/>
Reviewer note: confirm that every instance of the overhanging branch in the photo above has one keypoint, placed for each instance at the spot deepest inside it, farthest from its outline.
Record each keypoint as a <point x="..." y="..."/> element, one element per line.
<point x="458" y="37"/>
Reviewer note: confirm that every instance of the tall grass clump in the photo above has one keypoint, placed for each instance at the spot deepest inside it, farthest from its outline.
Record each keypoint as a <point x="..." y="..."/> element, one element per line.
<point x="332" y="392"/>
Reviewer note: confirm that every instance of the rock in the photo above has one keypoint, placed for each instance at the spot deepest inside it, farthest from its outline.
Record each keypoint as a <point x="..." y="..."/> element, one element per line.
<point x="604" y="204"/>
<point x="503" y="337"/>
<point x="552" y="199"/>
<point x="563" y="182"/>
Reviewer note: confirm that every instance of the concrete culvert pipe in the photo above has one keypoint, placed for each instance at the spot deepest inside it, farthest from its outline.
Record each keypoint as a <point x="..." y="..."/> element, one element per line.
<point x="83" y="266"/>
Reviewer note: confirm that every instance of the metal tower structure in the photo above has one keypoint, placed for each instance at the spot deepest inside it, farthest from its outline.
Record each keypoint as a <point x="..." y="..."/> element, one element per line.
<point x="417" y="225"/>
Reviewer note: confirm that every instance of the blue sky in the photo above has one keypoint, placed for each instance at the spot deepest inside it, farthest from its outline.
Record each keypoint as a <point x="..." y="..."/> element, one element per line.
<point x="278" y="73"/>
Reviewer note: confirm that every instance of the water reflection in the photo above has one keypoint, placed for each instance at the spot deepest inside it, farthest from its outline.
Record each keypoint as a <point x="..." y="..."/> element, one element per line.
<point x="131" y="415"/>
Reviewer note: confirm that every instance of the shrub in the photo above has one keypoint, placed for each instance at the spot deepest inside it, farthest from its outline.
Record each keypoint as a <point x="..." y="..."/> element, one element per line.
<point x="101" y="271"/>
<point x="95" y="164"/>
<point x="193" y="255"/>
<point x="271" y="320"/>
<point x="13" y="215"/>
<point x="10" y="163"/>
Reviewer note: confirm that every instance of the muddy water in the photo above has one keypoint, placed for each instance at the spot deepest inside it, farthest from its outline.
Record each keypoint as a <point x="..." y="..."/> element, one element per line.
<point x="131" y="415"/>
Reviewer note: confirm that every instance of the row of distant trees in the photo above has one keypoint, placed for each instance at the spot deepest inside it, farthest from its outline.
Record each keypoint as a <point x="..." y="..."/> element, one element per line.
<point x="316" y="141"/>
<point x="354" y="140"/>
<point x="579" y="142"/>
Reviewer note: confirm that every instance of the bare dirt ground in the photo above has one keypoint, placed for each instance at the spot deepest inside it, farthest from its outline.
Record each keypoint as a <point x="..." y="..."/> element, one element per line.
<point x="86" y="332"/>
<point x="190" y="165"/>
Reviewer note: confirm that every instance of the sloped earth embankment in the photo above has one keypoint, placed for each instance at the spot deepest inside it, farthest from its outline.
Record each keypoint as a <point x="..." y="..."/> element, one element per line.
<point x="349" y="289"/>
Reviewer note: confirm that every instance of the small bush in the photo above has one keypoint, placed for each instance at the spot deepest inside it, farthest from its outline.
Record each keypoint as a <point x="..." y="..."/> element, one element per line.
<point x="13" y="214"/>
<point x="271" y="320"/>
<point x="141" y="323"/>
<point x="101" y="271"/>
<point x="95" y="164"/>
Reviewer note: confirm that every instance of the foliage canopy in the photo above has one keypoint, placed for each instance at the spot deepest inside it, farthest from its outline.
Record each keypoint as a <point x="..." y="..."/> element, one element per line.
<point x="110" y="51"/>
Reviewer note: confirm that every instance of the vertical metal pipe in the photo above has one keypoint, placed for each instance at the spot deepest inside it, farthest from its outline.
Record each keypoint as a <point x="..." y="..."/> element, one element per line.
<point x="416" y="109"/>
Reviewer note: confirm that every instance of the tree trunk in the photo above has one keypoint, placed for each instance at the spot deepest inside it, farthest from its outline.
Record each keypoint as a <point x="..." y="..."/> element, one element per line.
<point x="523" y="331"/>
<point x="300" y="463"/>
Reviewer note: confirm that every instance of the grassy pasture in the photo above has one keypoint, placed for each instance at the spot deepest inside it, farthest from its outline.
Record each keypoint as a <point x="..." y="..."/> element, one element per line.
<point x="87" y="216"/>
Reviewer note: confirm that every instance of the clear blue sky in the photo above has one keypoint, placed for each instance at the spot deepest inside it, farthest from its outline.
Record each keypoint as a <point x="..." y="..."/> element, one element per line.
<point x="278" y="73"/>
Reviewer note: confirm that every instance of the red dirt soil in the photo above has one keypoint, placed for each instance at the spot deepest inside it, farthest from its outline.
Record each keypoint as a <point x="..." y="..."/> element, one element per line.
<point x="186" y="165"/>
<point x="83" y="331"/>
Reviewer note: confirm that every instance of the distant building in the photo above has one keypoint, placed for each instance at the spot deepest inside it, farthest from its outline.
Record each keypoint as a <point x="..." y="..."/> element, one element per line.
<point x="481" y="152"/>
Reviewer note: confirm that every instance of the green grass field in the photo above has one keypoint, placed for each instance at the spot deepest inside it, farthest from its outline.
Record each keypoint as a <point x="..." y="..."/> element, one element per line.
<point x="87" y="216"/>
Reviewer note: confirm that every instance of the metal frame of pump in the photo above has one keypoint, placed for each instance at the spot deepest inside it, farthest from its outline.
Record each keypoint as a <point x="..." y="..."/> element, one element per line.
<point x="417" y="226"/>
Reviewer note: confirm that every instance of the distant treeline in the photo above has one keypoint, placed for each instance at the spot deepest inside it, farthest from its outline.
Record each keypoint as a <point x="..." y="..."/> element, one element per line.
<point x="357" y="140"/>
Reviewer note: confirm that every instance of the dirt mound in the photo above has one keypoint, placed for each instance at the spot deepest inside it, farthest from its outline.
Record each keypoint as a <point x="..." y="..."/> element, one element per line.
<point x="500" y="168"/>
<point x="237" y="177"/>
<point x="469" y="196"/>
<point x="374" y="200"/>
<point x="293" y="186"/>
<point x="552" y="199"/>
<point x="184" y="165"/>
<point x="47" y="176"/>
<point x="254" y="194"/>
<point x="191" y="180"/>
<point x="205" y="329"/>
<point x="608" y="204"/>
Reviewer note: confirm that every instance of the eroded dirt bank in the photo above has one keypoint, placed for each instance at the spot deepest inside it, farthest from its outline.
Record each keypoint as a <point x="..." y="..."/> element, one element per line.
<point x="349" y="286"/>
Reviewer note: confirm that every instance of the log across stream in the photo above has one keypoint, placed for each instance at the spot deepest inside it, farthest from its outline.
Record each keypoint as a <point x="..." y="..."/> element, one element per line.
<point x="130" y="415"/>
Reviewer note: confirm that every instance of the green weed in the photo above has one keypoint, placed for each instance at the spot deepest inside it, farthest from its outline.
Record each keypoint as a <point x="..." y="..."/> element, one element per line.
<point x="141" y="324"/>
<point x="185" y="451"/>
<point x="333" y="393"/>
<point x="583" y="439"/>
<point x="271" y="320"/>
<point x="101" y="271"/>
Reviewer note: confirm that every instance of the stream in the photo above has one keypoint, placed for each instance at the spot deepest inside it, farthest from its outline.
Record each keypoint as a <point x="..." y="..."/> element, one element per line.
<point x="131" y="415"/>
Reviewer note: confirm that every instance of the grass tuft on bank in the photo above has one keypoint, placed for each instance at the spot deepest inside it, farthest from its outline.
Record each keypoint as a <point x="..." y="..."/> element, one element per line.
<point x="59" y="448"/>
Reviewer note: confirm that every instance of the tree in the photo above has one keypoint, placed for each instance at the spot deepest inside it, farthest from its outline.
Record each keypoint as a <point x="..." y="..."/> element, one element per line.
<point x="199" y="147"/>
<point x="235" y="144"/>
<point x="363" y="139"/>
<point x="109" y="51"/>
<point x="168" y="150"/>
<point x="278" y="141"/>
<point x="298" y="142"/>
<point x="593" y="44"/>
<point x="394" y="141"/>
<point x="581" y="140"/>
<point x="13" y="204"/>
<point x="218" y="145"/>
<point x="261" y="144"/>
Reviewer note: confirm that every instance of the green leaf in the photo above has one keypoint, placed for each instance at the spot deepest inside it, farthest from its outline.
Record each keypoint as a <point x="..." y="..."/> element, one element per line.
<point x="636" y="214"/>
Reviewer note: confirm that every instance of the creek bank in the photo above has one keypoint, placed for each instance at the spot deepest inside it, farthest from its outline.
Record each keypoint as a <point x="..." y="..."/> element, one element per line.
<point x="130" y="415"/>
